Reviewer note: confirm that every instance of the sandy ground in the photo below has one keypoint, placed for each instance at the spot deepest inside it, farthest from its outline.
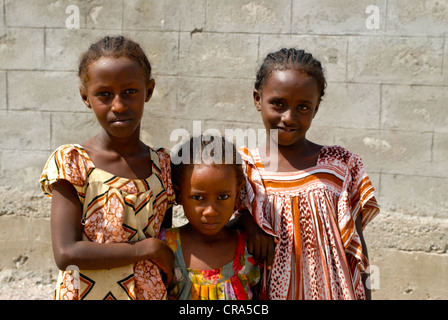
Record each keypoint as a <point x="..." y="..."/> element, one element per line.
<point x="26" y="289"/>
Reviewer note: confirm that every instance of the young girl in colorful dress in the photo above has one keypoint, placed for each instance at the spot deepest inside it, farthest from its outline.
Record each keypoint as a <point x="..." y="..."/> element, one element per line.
<point x="315" y="200"/>
<point x="211" y="259"/>
<point x="111" y="193"/>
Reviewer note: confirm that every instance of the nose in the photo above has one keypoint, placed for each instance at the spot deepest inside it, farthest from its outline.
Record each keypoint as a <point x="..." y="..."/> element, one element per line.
<point x="287" y="116"/>
<point x="210" y="210"/>
<point x="118" y="105"/>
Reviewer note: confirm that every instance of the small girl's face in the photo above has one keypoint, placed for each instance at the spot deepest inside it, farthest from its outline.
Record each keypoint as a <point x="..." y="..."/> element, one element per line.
<point x="288" y="102"/>
<point x="116" y="91"/>
<point x="208" y="194"/>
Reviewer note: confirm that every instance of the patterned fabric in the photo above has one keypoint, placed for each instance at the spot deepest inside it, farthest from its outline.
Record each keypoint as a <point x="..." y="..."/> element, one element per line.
<point x="114" y="210"/>
<point x="233" y="281"/>
<point x="312" y="214"/>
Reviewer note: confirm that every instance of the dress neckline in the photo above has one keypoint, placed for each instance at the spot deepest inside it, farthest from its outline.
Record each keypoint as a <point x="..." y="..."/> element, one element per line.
<point x="227" y="265"/>
<point x="151" y="152"/>
<point x="257" y="158"/>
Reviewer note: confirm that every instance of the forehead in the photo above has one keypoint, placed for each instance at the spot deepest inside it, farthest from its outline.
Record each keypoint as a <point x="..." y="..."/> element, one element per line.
<point x="290" y="79"/>
<point x="210" y="175"/>
<point x="110" y="68"/>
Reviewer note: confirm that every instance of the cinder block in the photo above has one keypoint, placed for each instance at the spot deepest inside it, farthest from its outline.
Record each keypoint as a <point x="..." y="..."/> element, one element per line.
<point x="406" y="60"/>
<point x="331" y="51"/>
<point x="336" y="17"/>
<point x="151" y="15"/>
<point x="216" y="98"/>
<point x="63" y="47"/>
<point x="23" y="130"/>
<point x="393" y="152"/>
<point x="2" y="14"/>
<point x="104" y="14"/>
<point x="415" y="194"/>
<point x="439" y="164"/>
<point x="400" y="231"/>
<point x="249" y="16"/>
<point x="195" y="20"/>
<point x="405" y="275"/>
<point x="349" y="105"/>
<point x="416" y="108"/>
<point x="198" y="98"/>
<point x="15" y="45"/>
<point x="161" y="48"/>
<point x="73" y="128"/>
<point x="408" y="17"/>
<point x="46" y="91"/>
<point x="3" y="91"/>
<point x="217" y="55"/>
<point x="21" y="169"/>
<point x="43" y="13"/>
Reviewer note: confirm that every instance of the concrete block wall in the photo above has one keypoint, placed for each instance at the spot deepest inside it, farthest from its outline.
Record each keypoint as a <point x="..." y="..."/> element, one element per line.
<point x="386" y="100"/>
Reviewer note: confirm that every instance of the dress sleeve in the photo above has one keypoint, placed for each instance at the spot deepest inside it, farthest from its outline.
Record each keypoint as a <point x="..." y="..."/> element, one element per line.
<point x="360" y="198"/>
<point x="253" y="196"/>
<point x="165" y="166"/>
<point x="361" y="193"/>
<point x="69" y="163"/>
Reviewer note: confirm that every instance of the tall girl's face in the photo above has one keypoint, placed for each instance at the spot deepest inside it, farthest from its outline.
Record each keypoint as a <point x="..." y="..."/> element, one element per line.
<point x="288" y="102"/>
<point x="208" y="194"/>
<point x="116" y="91"/>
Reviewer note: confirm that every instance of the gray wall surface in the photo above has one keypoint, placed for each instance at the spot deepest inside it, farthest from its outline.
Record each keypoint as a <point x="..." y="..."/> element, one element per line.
<point x="387" y="73"/>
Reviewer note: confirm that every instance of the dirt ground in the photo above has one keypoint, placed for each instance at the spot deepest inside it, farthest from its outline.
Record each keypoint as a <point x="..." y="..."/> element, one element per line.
<point x="26" y="289"/>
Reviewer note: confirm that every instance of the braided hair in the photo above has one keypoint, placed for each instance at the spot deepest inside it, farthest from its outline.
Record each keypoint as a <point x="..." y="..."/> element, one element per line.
<point x="115" y="47"/>
<point x="286" y="59"/>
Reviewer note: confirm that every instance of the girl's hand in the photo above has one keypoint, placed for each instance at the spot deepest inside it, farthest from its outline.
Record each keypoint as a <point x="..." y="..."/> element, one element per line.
<point x="161" y="255"/>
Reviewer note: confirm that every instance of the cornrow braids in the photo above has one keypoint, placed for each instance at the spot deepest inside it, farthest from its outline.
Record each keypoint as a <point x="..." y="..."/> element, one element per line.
<point x="286" y="59"/>
<point x="205" y="150"/>
<point x="116" y="47"/>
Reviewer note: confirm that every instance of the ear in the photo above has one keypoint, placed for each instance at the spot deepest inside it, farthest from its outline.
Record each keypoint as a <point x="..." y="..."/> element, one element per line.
<point x="257" y="100"/>
<point x="150" y="89"/>
<point x="84" y="96"/>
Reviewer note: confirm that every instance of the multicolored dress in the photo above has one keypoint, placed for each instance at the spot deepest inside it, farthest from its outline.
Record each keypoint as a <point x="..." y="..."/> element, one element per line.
<point x="312" y="215"/>
<point x="233" y="281"/>
<point x="115" y="209"/>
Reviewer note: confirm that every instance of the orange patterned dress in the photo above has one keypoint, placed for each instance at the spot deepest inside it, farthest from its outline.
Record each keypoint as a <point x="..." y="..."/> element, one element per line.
<point x="312" y="214"/>
<point x="115" y="209"/>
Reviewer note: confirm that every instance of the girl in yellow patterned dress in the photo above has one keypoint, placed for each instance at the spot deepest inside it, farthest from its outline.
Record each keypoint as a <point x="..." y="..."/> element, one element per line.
<point x="111" y="193"/>
<point x="211" y="259"/>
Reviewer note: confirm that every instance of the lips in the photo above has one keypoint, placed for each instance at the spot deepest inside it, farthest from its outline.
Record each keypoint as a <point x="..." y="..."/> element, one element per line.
<point x="210" y="225"/>
<point x="120" y="121"/>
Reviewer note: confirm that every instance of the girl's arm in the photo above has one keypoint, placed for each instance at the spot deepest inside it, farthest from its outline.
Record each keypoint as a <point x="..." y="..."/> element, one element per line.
<point x="365" y="276"/>
<point x="69" y="249"/>
<point x="260" y="244"/>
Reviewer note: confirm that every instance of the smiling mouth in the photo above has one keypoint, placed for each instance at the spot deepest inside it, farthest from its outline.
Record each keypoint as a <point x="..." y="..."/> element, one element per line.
<point x="283" y="129"/>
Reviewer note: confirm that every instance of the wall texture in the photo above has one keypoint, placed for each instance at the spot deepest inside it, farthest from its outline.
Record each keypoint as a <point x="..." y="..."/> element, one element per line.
<point x="387" y="73"/>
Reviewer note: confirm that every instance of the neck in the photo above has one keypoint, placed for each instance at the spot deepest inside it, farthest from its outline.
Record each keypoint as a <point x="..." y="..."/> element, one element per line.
<point x="123" y="146"/>
<point x="197" y="236"/>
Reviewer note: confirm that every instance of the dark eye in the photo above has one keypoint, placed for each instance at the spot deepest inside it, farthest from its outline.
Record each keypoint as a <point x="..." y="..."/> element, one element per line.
<point x="130" y="91"/>
<point x="223" y="197"/>
<point x="103" y="94"/>
<point x="303" y="107"/>
<point x="196" y="197"/>
<point x="278" y="104"/>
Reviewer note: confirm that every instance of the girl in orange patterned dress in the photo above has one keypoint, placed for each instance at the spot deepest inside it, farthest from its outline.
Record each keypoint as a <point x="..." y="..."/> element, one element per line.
<point x="111" y="194"/>
<point x="314" y="200"/>
<point x="211" y="259"/>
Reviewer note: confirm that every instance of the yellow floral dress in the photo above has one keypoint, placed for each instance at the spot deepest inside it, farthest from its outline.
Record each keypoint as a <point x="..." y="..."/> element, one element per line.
<point x="115" y="209"/>
<point x="232" y="281"/>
